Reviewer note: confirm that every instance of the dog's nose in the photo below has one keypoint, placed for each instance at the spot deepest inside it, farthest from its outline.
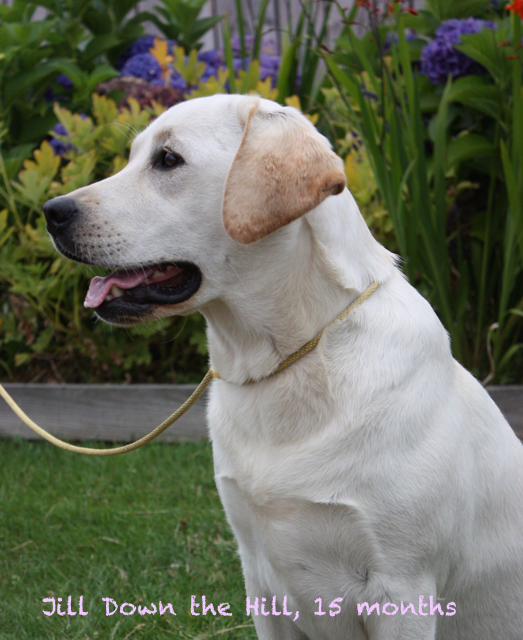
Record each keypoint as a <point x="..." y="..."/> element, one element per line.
<point x="59" y="213"/>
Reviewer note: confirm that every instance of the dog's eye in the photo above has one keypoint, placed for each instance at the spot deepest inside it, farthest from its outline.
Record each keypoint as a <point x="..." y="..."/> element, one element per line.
<point x="170" y="159"/>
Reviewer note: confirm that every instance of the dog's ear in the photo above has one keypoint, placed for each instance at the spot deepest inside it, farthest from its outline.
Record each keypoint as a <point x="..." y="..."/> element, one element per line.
<point x="283" y="169"/>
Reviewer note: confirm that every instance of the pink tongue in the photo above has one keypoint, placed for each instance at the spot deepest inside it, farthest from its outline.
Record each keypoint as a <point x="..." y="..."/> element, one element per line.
<point x="100" y="287"/>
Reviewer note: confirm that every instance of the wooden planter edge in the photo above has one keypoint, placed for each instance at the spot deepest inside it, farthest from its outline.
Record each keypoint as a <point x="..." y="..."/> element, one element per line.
<point x="122" y="413"/>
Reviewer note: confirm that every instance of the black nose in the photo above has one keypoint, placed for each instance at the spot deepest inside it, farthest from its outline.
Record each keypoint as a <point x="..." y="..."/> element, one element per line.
<point x="59" y="213"/>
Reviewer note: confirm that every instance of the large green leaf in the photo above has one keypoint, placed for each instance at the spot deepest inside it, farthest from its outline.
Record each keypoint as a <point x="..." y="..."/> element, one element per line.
<point x="479" y="94"/>
<point x="100" y="74"/>
<point x="446" y="9"/>
<point x="228" y="53"/>
<point x="36" y="127"/>
<point x="514" y="198"/>
<point x="98" y="45"/>
<point x="16" y="86"/>
<point x="77" y="76"/>
<point x="29" y="35"/>
<point x="425" y="22"/>
<point x="98" y="20"/>
<point x="471" y="145"/>
<point x="14" y="158"/>
<point x="168" y="29"/>
<point x="200" y="28"/>
<point x="286" y="77"/>
<point x="19" y="11"/>
<point x="123" y="7"/>
<point x="483" y="48"/>
<point x="469" y="88"/>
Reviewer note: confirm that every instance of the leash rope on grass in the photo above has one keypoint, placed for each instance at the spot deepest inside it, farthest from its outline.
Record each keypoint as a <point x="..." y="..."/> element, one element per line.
<point x="88" y="451"/>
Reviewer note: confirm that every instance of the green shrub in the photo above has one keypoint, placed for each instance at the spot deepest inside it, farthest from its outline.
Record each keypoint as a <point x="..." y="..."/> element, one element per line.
<point x="78" y="39"/>
<point x="181" y="23"/>
<point x="447" y="162"/>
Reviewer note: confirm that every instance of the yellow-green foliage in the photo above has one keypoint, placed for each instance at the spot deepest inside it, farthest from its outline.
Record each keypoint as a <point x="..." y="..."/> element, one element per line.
<point x="212" y="86"/>
<point x="97" y="149"/>
<point x="160" y="52"/>
<point x="247" y="82"/>
<point x="190" y="69"/>
<point x="35" y="179"/>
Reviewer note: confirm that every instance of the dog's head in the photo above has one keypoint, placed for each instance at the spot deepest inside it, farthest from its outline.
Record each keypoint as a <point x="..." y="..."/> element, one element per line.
<point x="205" y="179"/>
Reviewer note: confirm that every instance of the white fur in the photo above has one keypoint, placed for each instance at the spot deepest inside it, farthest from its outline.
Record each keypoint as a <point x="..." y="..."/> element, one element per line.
<point x="375" y="468"/>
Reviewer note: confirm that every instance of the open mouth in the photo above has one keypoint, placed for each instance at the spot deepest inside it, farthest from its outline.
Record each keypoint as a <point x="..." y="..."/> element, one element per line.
<point x="128" y="294"/>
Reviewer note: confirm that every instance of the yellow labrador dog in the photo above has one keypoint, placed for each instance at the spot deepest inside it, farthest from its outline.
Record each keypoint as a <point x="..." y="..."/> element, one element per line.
<point x="374" y="488"/>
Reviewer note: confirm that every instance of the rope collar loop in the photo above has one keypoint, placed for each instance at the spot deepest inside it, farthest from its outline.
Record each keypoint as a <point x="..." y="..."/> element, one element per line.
<point x="89" y="451"/>
<point x="312" y="343"/>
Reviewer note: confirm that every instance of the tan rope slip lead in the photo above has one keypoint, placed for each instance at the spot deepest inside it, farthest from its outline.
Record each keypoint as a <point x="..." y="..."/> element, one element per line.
<point x="188" y="403"/>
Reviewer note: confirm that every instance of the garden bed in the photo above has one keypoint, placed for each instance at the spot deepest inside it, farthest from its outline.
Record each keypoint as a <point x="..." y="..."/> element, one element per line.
<point x="424" y="107"/>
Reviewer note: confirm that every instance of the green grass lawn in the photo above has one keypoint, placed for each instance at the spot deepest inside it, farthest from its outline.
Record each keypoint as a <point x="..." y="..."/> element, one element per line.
<point x="137" y="528"/>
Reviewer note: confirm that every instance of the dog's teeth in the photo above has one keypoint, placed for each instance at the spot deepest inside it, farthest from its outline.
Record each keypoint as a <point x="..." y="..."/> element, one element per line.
<point x="108" y="297"/>
<point x="157" y="273"/>
<point x="116" y="292"/>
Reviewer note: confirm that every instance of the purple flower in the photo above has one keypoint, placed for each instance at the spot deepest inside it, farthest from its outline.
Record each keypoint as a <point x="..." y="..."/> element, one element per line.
<point x="61" y="147"/>
<point x="269" y="67"/>
<point x="439" y="58"/>
<point x="238" y="64"/>
<point x="392" y="38"/>
<point x="66" y="82"/>
<point x="213" y="57"/>
<point x="453" y="29"/>
<point x="237" y="45"/>
<point x="268" y="46"/>
<point x="51" y="96"/>
<point x="356" y="140"/>
<point x="177" y="82"/>
<point x="142" y="45"/>
<point x="269" y="58"/>
<point x="214" y="61"/>
<point x="143" y="65"/>
<point x="138" y="62"/>
<point x="60" y="129"/>
<point x="208" y="73"/>
<point x="368" y="94"/>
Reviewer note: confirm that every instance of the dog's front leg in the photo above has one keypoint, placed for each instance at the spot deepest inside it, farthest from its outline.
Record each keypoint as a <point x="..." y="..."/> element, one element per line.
<point x="401" y="629"/>
<point x="268" y="625"/>
<point x="271" y="628"/>
<point x="409" y="617"/>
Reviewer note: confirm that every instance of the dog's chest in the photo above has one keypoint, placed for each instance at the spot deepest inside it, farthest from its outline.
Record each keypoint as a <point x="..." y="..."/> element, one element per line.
<point x="306" y="551"/>
<point x="269" y="439"/>
<point x="281" y="504"/>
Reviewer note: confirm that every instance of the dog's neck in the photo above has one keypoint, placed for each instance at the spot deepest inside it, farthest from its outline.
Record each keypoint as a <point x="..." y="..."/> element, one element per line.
<point x="293" y="284"/>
